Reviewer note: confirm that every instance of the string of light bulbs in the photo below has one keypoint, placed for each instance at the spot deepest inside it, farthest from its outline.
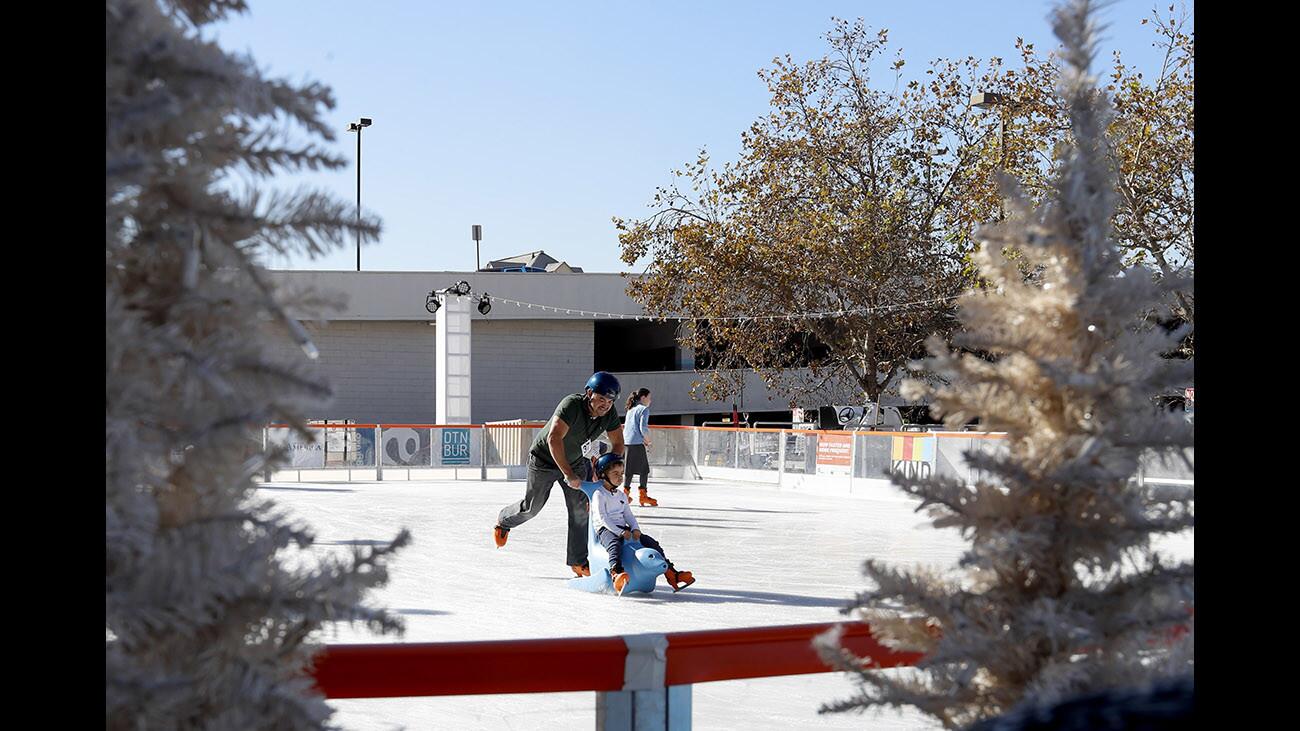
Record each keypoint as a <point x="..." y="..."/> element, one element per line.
<point x="486" y="298"/>
<point x="798" y="316"/>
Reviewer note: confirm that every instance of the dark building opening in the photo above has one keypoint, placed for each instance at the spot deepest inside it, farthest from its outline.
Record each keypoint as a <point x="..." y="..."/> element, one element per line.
<point x="637" y="346"/>
<point x="797" y="350"/>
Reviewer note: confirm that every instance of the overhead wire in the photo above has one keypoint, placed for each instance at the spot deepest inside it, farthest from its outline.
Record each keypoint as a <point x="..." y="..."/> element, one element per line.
<point x="695" y="318"/>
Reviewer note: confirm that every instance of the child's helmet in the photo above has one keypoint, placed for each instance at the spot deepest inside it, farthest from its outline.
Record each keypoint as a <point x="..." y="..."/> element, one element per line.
<point x="605" y="461"/>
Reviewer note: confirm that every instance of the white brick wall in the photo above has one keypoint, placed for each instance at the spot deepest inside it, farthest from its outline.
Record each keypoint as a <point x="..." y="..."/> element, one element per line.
<point x="381" y="371"/>
<point x="522" y="368"/>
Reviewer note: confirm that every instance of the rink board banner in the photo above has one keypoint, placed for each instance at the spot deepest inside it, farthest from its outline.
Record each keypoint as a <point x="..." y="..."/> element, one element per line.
<point x="913" y="456"/>
<point x="913" y="449"/>
<point x="455" y="446"/>
<point x="350" y="447"/>
<point x="834" y="454"/>
<point x="304" y="452"/>
<point x="406" y="447"/>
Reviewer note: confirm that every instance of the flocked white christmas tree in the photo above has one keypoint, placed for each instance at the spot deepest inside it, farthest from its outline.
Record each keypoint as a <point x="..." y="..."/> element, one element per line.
<point x="213" y="603"/>
<point x="1060" y="592"/>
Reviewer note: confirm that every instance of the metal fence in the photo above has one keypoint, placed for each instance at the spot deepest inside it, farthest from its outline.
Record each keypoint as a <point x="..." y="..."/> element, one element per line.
<point x="780" y="456"/>
<point x="400" y="449"/>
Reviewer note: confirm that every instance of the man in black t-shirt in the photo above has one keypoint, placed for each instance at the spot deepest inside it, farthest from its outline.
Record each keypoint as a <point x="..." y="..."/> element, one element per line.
<point x="557" y="456"/>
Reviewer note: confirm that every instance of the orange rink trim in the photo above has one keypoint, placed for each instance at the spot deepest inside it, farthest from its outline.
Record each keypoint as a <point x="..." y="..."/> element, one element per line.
<point x="796" y="432"/>
<point x="325" y="426"/>
<point x="403" y="426"/>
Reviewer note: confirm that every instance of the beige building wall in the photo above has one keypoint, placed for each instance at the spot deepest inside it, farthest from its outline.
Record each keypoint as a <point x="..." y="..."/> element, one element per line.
<point x="380" y="371"/>
<point x="378" y="350"/>
<point x="522" y="368"/>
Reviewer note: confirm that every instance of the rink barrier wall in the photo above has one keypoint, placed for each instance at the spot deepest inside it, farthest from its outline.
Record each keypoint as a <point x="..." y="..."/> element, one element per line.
<point x="810" y="461"/>
<point x="641" y="681"/>
<point x="581" y="663"/>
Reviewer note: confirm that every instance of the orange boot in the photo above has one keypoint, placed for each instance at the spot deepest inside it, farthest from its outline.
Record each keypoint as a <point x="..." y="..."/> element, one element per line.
<point x="580" y="571"/>
<point x="500" y="535"/>
<point x="620" y="581"/>
<point x="675" y="577"/>
<point x="647" y="501"/>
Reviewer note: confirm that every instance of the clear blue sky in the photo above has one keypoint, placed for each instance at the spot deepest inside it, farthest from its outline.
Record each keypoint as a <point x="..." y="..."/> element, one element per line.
<point x="540" y="121"/>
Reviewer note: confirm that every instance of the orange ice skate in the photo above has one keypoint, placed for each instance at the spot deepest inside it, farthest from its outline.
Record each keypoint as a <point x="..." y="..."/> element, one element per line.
<point x="678" y="580"/>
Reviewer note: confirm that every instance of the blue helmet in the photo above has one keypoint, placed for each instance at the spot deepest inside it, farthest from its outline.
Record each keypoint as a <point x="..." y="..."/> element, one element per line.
<point x="604" y="384"/>
<point x="605" y="461"/>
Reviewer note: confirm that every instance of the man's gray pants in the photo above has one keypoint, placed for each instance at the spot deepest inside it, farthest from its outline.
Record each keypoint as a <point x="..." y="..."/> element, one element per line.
<point x="540" y="481"/>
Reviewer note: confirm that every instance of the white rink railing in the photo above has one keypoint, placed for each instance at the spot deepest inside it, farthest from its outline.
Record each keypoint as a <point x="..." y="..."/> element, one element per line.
<point x="831" y="462"/>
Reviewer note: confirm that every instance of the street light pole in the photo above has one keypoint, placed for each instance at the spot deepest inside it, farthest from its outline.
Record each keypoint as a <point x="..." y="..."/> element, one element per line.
<point x="986" y="101"/>
<point x="1002" y="154"/>
<point x="357" y="127"/>
<point x="358" y="199"/>
<point x="930" y="154"/>
<point x="476" y="233"/>
<point x="1002" y="139"/>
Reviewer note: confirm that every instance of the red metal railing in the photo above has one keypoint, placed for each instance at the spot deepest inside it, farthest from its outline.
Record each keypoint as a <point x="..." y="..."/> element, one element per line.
<point x="760" y="652"/>
<point x="471" y="668"/>
<point x="577" y="664"/>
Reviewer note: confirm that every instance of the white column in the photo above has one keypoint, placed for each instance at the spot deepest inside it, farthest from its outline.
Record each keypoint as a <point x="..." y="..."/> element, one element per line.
<point x="452" y="363"/>
<point x="695" y="452"/>
<point x="853" y="457"/>
<point x="780" y="461"/>
<point x="645" y="703"/>
<point x="266" y="473"/>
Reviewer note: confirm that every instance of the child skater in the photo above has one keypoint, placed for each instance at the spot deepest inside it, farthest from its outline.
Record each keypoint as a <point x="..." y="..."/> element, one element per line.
<point x="613" y="519"/>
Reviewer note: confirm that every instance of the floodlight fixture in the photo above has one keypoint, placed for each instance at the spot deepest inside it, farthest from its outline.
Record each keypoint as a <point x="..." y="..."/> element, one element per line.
<point x="986" y="99"/>
<point x="485" y="304"/>
<point x="431" y="303"/>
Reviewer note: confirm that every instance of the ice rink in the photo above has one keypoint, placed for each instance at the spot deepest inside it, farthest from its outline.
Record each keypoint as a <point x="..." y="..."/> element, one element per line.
<point x="761" y="556"/>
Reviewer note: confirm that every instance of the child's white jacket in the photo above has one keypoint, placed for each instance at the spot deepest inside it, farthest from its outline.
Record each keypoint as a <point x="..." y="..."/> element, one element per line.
<point x="610" y="509"/>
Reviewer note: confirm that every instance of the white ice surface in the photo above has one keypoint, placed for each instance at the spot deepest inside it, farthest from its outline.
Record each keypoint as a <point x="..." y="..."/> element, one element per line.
<point x="760" y="556"/>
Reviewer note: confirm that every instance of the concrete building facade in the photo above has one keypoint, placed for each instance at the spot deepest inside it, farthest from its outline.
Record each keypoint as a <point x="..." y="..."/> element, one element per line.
<point x="378" y="347"/>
